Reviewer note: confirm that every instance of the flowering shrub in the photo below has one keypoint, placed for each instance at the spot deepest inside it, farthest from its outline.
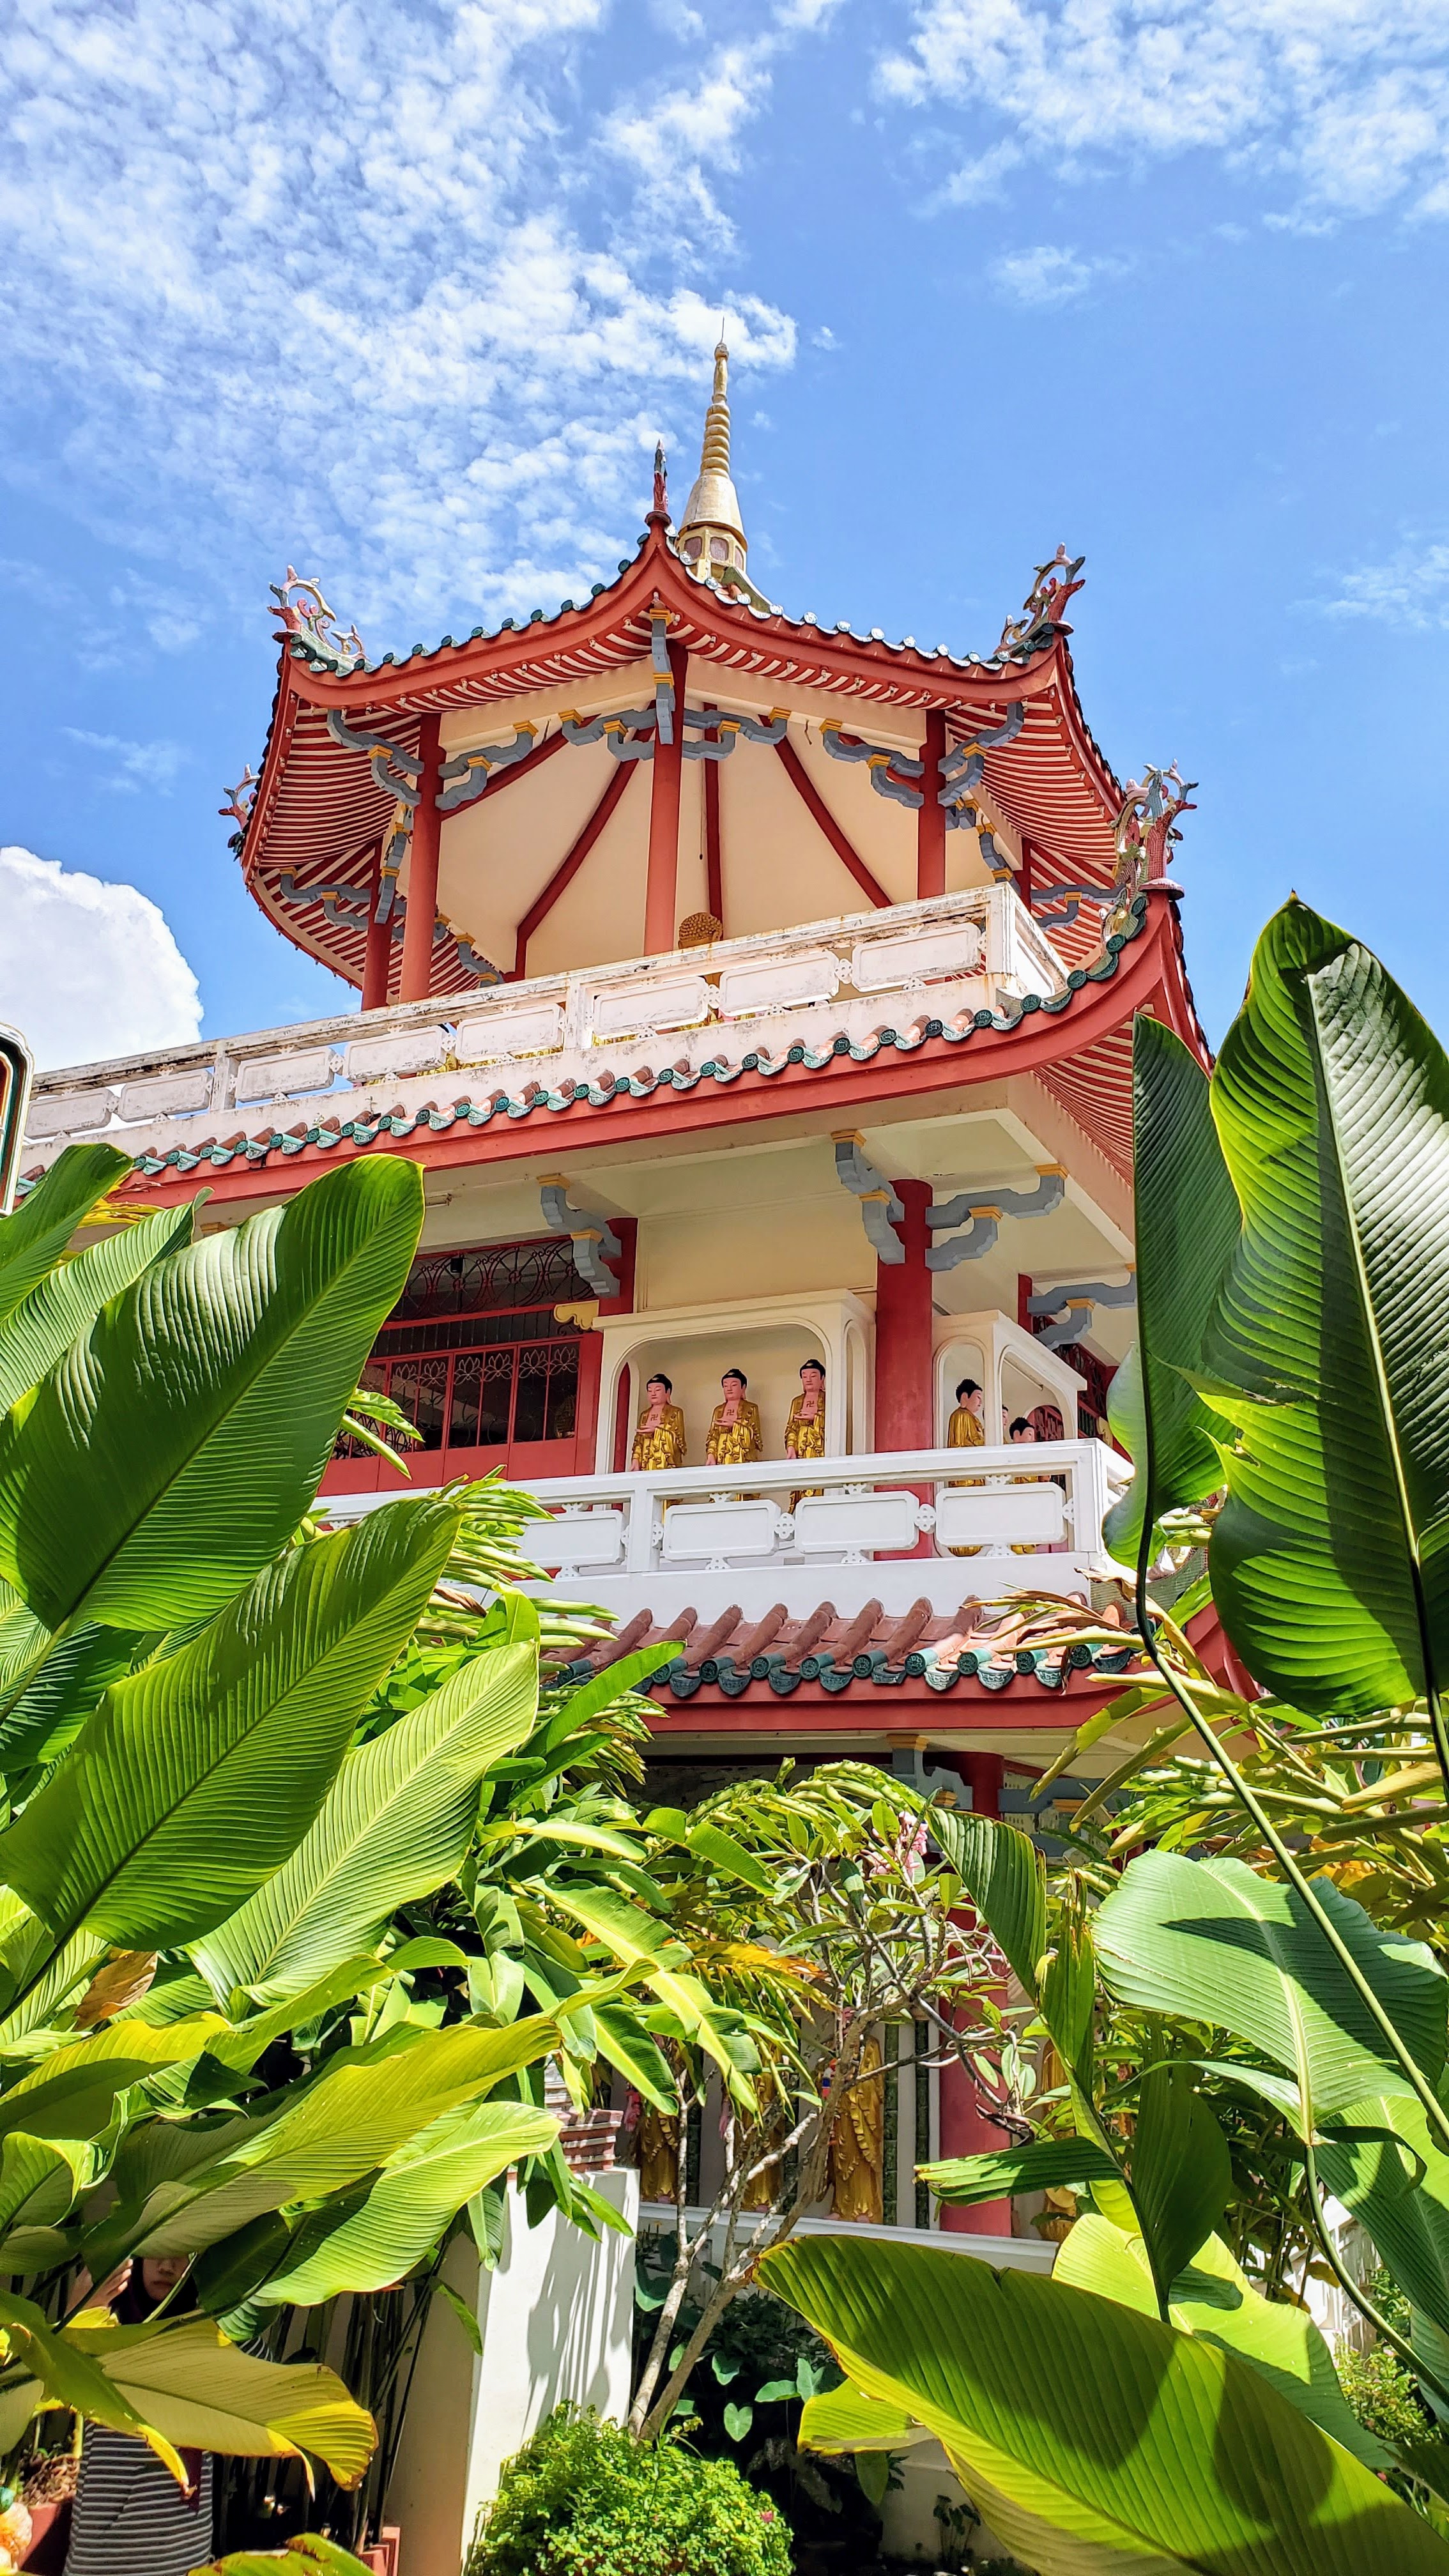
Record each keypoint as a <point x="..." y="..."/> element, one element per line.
<point x="583" y="2498"/>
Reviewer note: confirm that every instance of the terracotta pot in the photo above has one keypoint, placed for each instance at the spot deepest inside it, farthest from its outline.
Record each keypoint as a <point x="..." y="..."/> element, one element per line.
<point x="50" y="2538"/>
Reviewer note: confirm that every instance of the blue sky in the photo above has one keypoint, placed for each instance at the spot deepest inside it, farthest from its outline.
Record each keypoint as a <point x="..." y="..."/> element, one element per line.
<point x="402" y="295"/>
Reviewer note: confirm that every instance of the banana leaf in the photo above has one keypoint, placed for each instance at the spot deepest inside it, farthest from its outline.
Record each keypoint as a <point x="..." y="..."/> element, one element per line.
<point x="1091" y="2438"/>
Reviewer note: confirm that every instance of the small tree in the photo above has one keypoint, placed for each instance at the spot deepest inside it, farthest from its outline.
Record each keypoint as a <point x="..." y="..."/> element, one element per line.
<point x="823" y="1899"/>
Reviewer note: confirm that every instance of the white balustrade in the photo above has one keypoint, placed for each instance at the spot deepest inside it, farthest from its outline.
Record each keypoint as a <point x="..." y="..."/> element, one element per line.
<point x="700" y="1537"/>
<point x="977" y="947"/>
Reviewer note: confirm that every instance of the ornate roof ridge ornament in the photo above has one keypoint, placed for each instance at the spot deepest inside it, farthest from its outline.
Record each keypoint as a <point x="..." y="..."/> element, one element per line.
<point x="1147" y="827"/>
<point x="310" y="623"/>
<point x="1041" y="615"/>
<point x="239" y="803"/>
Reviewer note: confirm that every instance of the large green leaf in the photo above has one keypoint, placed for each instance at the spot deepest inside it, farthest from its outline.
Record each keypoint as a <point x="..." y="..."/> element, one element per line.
<point x="1094" y="2440"/>
<point x="1182" y="2173"/>
<point x="65" y="1303"/>
<point x="1330" y="1562"/>
<point x="1212" y="1941"/>
<point x="1398" y="2192"/>
<point x="1187" y="1226"/>
<point x="34" y="1238"/>
<point x="1002" y="1873"/>
<point x="1214" y="2298"/>
<point x="202" y="2394"/>
<point x="199" y="1775"/>
<point x="174" y="1449"/>
<point x="309" y="2554"/>
<point x="395" y="1824"/>
<point x="366" y="2104"/>
<point x="70" y="2092"/>
<point x="1043" y="2165"/>
<point x="422" y="2187"/>
<point x="845" y="2419"/>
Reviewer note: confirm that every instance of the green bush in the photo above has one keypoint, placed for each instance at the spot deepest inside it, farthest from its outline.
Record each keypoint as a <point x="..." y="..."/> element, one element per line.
<point x="1383" y="2395"/>
<point x="583" y="2498"/>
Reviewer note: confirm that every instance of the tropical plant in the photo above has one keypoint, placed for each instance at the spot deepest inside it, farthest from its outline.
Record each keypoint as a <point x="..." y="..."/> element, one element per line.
<point x="1289" y="1410"/>
<point x="239" y="1750"/>
<point x="584" y="2496"/>
<point x="815" y="1901"/>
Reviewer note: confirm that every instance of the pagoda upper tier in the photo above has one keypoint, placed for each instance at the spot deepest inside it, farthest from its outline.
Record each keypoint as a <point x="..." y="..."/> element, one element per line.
<point x="669" y="762"/>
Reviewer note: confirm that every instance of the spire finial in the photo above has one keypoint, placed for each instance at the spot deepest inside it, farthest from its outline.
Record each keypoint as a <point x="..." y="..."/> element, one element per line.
<point x="661" y="478"/>
<point x="711" y="533"/>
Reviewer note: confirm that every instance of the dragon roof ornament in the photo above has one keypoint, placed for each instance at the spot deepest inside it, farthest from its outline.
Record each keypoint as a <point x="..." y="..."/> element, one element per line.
<point x="309" y="622"/>
<point x="1057" y="581"/>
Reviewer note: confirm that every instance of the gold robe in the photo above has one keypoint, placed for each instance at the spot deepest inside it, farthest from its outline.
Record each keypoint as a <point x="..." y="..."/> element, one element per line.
<point x="658" y="2154"/>
<point x="965" y="1431"/>
<point x="737" y="1444"/>
<point x="665" y="1447"/>
<point x="804" y="1439"/>
<point x="857" y="2146"/>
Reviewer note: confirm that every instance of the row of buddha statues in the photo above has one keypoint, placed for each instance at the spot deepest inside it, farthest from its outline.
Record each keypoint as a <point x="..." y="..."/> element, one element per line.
<point x="855" y="2172"/>
<point x="735" y="1437"/>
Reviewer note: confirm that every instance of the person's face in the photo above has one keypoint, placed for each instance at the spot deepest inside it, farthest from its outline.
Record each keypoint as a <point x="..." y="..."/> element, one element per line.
<point x="160" y="2273"/>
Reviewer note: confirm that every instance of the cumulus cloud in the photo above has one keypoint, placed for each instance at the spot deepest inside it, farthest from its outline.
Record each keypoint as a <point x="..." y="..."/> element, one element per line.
<point x="87" y="969"/>
<point x="371" y="283"/>
<point x="1345" y="102"/>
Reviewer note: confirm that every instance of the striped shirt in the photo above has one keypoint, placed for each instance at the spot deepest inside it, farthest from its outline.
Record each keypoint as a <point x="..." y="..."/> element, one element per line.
<point x="130" y="2516"/>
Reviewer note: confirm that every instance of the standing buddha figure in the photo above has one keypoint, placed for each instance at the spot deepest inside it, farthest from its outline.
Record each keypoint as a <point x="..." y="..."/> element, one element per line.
<point x="966" y="1430"/>
<point x="659" y="1440"/>
<point x="805" y="1429"/>
<point x="734" y="1427"/>
<point x="856" y="2160"/>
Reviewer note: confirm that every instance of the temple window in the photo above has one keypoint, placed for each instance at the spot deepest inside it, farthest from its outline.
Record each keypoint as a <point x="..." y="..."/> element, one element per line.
<point x="719" y="549"/>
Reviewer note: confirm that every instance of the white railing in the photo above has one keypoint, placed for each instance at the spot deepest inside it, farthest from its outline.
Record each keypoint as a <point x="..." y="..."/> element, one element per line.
<point x="701" y="1536"/>
<point x="977" y="949"/>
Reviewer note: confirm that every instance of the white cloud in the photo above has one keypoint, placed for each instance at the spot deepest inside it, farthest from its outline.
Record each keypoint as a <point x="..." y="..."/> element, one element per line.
<point x="371" y="285"/>
<point x="1044" y="275"/>
<point x="88" y="970"/>
<point x="1410" y="589"/>
<point x="1344" y="101"/>
<point x="133" y="765"/>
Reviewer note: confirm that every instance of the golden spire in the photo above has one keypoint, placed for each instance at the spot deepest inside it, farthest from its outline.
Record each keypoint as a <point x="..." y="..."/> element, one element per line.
<point x="711" y="532"/>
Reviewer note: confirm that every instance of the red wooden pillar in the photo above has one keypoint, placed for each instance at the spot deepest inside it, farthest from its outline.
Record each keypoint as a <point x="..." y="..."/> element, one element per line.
<point x="661" y="891"/>
<point x="903" y="1332"/>
<point x="416" y="981"/>
<point x="931" y="820"/>
<point x="377" y="957"/>
<point x="965" y="2129"/>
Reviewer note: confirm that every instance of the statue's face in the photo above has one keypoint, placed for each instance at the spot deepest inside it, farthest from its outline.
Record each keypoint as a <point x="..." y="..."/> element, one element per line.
<point x="732" y="1384"/>
<point x="655" y="1389"/>
<point x="812" y="1378"/>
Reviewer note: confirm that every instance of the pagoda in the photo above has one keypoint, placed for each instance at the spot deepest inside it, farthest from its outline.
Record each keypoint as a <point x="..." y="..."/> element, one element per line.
<point x="757" y="999"/>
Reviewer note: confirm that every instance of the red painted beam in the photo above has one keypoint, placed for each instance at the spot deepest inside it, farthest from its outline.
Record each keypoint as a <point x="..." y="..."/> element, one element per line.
<point x="661" y="887"/>
<point x="1023" y="1708"/>
<point x="820" y="814"/>
<point x="568" y="867"/>
<point x="713" y="863"/>
<point x="931" y="817"/>
<point x="416" y="980"/>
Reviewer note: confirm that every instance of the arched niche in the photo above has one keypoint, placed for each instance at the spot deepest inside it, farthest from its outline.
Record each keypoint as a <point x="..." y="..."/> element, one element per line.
<point x="768" y="1340"/>
<point x="1016" y="1371"/>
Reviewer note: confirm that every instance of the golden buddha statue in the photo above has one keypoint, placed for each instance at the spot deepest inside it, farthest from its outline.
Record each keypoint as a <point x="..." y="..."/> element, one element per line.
<point x="659" y="1440"/>
<point x="805" y="1429"/>
<point x="966" y="1430"/>
<point x="734" y="1426"/>
<point x="857" y="2145"/>
<point x="658" y="2154"/>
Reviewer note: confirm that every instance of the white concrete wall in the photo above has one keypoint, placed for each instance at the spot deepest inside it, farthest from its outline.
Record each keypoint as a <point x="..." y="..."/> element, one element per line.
<point x="556" y="2319"/>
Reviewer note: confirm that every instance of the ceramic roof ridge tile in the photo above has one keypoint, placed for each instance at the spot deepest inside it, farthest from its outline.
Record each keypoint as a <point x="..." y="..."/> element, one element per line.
<point x="640" y="1084"/>
<point x="779" y="1653"/>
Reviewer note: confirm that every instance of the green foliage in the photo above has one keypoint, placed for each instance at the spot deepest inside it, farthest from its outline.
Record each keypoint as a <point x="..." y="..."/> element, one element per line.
<point x="1087" y="2433"/>
<point x="584" y="2497"/>
<point x="1384" y="2396"/>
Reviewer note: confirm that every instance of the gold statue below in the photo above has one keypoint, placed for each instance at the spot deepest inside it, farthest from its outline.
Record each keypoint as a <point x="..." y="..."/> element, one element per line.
<point x="966" y="1430"/>
<point x="805" y="1429"/>
<point x="857" y="2145"/>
